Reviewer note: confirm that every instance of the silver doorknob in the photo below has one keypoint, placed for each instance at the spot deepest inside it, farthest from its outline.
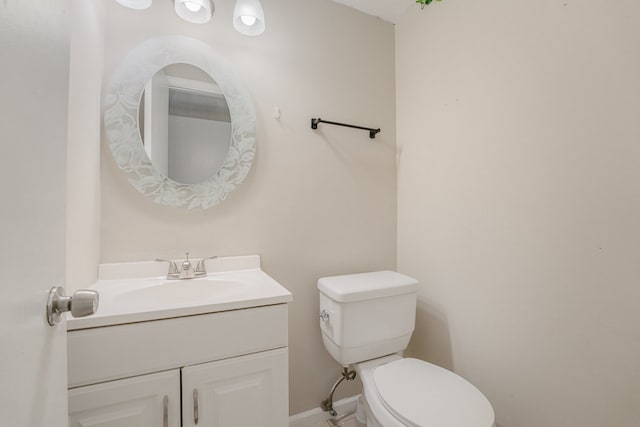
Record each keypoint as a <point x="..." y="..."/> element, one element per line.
<point x="84" y="302"/>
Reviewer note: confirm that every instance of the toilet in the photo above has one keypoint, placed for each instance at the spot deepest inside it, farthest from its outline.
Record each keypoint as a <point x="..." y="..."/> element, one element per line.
<point x="366" y="321"/>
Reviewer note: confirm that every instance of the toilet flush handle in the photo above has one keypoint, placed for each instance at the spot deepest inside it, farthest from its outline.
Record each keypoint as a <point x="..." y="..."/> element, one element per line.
<point x="324" y="315"/>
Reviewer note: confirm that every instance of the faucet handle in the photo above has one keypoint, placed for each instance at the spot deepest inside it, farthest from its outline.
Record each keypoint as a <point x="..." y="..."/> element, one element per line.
<point x="173" y="268"/>
<point x="200" y="267"/>
<point x="186" y="271"/>
<point x="186" y="264"/>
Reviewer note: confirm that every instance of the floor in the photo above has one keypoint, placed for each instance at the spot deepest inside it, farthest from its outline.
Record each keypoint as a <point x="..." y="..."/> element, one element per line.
<point x="347" y="421"/>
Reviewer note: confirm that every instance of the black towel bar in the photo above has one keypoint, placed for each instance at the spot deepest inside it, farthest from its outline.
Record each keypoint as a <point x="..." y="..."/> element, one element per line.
<point x="315" y="122"/>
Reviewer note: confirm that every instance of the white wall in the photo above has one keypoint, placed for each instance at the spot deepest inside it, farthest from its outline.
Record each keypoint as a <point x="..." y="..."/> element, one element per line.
<point x="519" y="202"/>
<point x="315" y="203"/>
<point x="197" y="148"/>
<point x="83" y="147"/>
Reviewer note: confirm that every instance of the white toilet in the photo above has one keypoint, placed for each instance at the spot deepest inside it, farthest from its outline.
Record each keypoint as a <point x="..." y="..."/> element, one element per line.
<point x="366" y="319"/>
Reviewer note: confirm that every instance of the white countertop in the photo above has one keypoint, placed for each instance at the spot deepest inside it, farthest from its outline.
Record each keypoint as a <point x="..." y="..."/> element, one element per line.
<point x="139" y="299"/>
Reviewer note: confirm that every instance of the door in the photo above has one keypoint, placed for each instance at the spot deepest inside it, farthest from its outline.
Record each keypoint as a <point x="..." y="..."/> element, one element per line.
<point x="241" y="391"/>
<point x="145" y="401"/>
<point x="34" y="52"/>
<point x="156" y="122"/>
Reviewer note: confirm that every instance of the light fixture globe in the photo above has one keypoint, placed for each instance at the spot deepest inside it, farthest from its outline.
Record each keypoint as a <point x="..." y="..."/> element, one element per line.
<point x="248" y="17"/>
<point x="194" y="11"/>
<point x="136" y="4"/>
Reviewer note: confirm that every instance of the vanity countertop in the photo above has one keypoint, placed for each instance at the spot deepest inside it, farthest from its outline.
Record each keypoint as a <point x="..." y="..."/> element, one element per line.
<point x="141" y="297"/>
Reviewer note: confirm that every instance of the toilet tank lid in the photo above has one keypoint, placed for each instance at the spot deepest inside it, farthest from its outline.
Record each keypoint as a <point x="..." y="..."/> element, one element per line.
<point x="363" y="286"/>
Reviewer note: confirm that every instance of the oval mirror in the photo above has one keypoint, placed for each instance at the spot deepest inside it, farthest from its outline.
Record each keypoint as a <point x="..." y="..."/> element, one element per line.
<point x="179" y="123"/>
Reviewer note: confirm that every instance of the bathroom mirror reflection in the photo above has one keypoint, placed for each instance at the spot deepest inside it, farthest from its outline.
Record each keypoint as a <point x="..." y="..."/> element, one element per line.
<point x="184" y="123"/>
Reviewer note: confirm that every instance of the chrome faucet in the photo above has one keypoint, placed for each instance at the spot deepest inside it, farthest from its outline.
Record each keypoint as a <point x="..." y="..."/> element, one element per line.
<point x="201" y="270"/>
<point x="186" y="270"/>
<point x="173" y="273"/>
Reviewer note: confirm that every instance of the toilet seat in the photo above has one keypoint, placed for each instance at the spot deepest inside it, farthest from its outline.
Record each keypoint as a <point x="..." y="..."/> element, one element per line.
<point x="411" y="392"/>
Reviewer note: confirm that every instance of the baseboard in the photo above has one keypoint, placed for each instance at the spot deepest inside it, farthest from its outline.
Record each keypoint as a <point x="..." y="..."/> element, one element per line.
<point x="316" y="415"/>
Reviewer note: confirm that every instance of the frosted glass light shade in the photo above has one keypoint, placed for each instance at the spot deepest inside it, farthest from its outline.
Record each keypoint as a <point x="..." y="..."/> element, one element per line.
<point x="194" y="11"/>
<point x="135" y="4"/>
<point x="248" y="17"/>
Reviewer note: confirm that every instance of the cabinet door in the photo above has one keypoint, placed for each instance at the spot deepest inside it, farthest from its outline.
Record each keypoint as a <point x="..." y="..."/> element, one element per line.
<point x="144" y="401"/>
<point x="244" y="391"/>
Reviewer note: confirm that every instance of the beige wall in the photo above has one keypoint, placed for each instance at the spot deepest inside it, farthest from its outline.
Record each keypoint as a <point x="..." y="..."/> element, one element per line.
<point x="83" y="147"/>
<point x="315" y="203"/>
<point x="519" y="202"/>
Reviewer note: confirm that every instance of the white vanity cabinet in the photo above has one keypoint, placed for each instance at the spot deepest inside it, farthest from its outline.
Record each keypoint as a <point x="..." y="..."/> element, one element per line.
<point x="146" y="401"/>
<point x="238" y="392"/>
<point x="230" y="367"/>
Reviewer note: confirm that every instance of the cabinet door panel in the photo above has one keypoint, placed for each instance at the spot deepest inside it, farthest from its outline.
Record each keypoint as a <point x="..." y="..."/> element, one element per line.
<point x="132" y="402"/>
<point x="242" y="391"/>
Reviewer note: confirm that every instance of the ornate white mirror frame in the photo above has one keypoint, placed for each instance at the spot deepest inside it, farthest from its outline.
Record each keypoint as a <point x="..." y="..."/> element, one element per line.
<point x="120" y="106"/>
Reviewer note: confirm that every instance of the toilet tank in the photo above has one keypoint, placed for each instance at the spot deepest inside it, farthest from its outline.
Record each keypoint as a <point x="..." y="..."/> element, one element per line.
<point x="368" y="315"/>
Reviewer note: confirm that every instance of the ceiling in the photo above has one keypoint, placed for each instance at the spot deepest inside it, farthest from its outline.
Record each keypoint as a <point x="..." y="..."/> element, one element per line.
<point x="389" y="10"/>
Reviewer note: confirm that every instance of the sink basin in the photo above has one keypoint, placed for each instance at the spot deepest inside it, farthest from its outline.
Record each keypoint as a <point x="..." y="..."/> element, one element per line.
<point x="132" y="295"/>
<point x="181" y="292"/>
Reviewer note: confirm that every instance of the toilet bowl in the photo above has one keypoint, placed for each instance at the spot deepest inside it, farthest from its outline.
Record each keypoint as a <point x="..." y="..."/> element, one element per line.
<point x="366" y="320"/>
<point x="401" y="392"/>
